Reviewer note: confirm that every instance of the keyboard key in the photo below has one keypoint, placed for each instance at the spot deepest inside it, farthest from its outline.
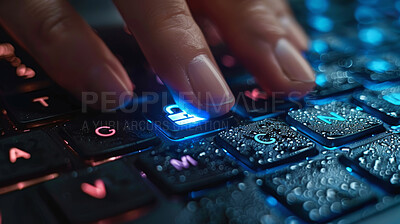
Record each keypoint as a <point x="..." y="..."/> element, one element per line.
<point x="22" y="207"/>
<point x="40" y="107"/>
<point x="29" y="155"/>
<point x="266" y="144"/>
<point x="254" y="104"/>
<point x="318" y="190"/>
<point x="19" y="72"/>
<point x="99" y="137"/>
<point x="237" y="203"/>
<point x="185" y="168"/>
<point x="99" y="192"/>
<point x="333" y="80"/>
<point x="377" y="68"/>
<point x="177" y="124"/>
<point x="379" y="161"/>
<point x="383" y="104"/>
<point x="330" y="48"/>
<point x="334" y="124"/>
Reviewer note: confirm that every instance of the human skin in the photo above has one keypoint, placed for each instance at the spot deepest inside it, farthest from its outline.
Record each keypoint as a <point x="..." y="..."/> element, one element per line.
<point x="262" y="34"/>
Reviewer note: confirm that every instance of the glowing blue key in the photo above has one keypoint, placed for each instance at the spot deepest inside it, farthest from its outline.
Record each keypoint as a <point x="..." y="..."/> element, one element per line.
<point x="271" y="201"/>
<point x="317" y="5"/>
<point x="270" y="141"/>
<point x="371" y="35"/>
<point x="327" y="119"/>
<point x="320" y="79"/>
<point x="319" y="46"/>
<point x="393" y="98"/>
<point x="365" y="14"/>
<point x="379" y="66"/>
<point x="321" y="23"/>
<point x="180" y="117"/>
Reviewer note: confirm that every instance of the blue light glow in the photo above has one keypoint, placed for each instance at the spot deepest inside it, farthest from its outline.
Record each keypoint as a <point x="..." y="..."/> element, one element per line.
<point x="379" y="66"/>
<point x="393" y="98"/>
<point x="317" y="5"/>
<point x="349" y="169"/>
<point x="326" y="119"/>
<point x="371" y="35"/>
<point x="271" y="201"/>
<point x="257" y="138"/>
<point x="180" y="117"/>
<point x="365" y="14"/>
<point x="321" y="79"/>
<point x="321" y="23"/>
<point x="319" y="46"/>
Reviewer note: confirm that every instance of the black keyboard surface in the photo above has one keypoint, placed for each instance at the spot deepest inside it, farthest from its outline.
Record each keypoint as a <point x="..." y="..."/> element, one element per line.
<point x="332" y="157"/>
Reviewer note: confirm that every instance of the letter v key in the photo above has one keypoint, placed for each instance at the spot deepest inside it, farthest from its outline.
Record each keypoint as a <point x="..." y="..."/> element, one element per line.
<point x="97" y="191"/>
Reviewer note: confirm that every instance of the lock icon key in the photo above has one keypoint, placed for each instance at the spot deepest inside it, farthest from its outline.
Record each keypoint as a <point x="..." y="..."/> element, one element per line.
<point x="179" y="116"/>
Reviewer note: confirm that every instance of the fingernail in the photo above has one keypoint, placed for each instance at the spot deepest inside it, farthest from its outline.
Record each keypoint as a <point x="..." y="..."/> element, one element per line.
<point x="296" y="32"/>
<point x="293" y="64"/>
<point x="111" y="90"/>
<point x="208" y="83"/>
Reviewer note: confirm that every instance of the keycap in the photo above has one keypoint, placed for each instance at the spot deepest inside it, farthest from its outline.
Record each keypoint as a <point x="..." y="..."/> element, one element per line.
<point x="383" y="104"/>
<point x="177" y="124"/>
<point x="377" y="68"/>
<point x="266" y="144"/>
<point x="328" y="48"/>
<point x="30" y="155"/>
<point x="379" y="161"/>
<point x="19" y="72"/>
<point x="333" y="80"/>
<point x="334" y="124"/>
<point x="239" y="202"/>
<point x="97" y="137"/>
<point x="100" y="192"/>
<point x="39" y="107"/>
<point x="318" y="190"/>
<point x="254" y="104"/>
<point x="24" y="207"/>
<point x="183" y="168"/>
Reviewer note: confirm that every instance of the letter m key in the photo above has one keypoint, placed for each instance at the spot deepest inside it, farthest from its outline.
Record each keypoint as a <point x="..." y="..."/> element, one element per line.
<point x="184" y="163"/>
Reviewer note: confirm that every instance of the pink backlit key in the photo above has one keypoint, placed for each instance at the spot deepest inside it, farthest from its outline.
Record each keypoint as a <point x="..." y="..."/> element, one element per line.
<point x="91" y="195"/>
<point x="188" y="167"/>
<point x="30" y="155"/>
<point x="40" y="107"/>
<point x="96" y="190"/>
<point x="104" y="136"/>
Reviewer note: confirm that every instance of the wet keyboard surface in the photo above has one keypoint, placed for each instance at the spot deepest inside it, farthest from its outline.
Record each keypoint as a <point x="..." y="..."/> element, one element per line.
<point x="266" y="144"/>
<point x="187" y="168"/>
<point x="103" y="136"/>
<point x="318" y="190"/>
<point x="335" y="123"/>
<point x="379" y="160"/>
<point x="329" y="157"/>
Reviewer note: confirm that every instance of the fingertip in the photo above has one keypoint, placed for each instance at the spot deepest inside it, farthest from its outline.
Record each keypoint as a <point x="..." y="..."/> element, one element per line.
<point x="295" y="33"/>
<point x="106" y="89"/>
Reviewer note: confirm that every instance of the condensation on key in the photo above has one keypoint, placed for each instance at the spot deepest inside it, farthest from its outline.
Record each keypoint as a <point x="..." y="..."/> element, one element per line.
<point x="183" y="163"/>
<point x="7" y="53"/>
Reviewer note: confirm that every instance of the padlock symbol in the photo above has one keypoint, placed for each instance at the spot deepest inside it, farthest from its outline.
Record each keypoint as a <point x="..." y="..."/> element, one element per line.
<point x="179" y="116"/>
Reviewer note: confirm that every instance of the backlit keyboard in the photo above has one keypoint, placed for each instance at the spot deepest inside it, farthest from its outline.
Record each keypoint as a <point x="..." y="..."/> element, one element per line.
<point x="333" y="156"/>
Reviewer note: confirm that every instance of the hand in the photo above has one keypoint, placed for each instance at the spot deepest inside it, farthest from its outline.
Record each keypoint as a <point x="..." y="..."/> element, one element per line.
<point x="262" y="33"/>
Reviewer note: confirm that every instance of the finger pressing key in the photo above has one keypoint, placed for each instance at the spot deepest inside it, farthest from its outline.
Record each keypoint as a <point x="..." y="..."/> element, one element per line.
<point x="68" y="50"/>
<point x="176" y="49"/>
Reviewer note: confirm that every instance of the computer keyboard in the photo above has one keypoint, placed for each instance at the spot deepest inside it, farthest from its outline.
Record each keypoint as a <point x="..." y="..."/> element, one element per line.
<point x="332" y="157"/>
